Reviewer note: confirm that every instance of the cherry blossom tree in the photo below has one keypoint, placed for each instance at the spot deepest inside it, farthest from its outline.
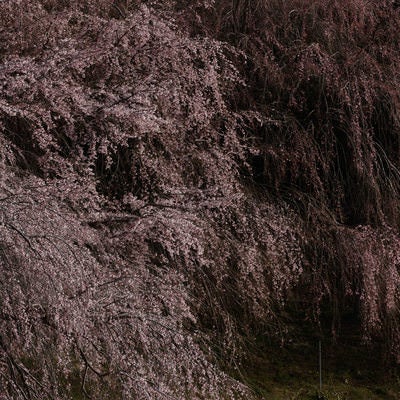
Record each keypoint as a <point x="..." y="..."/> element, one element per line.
<point x="175" y="174"/>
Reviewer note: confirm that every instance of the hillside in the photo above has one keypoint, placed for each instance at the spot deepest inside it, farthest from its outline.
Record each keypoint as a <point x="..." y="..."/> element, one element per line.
<point x="191" y="191"/>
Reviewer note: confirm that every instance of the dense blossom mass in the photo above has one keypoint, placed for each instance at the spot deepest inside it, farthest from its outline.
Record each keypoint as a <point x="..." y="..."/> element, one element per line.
<point x="175" y="176"/>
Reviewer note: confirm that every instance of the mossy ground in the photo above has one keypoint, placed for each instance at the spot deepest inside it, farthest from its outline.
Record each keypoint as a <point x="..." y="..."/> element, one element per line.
<point x="291" y="372"/>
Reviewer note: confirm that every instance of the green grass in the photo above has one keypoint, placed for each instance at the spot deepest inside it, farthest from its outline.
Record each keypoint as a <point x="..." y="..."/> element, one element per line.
<point x="291" y="373"/>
